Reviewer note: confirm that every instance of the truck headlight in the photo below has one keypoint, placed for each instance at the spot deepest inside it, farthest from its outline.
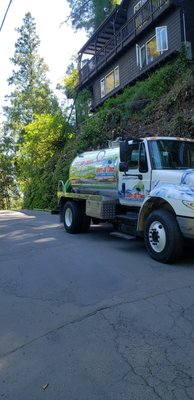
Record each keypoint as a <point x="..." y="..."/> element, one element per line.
<point x="189" y="204"/>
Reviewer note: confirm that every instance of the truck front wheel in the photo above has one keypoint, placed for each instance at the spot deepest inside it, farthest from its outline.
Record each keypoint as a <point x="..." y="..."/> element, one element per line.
<point x="163" y="239"/>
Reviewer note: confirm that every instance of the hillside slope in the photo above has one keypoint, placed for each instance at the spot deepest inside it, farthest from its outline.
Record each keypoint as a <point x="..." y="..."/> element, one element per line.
<point x="172" y="113"/>
<point x="162" y="104"/>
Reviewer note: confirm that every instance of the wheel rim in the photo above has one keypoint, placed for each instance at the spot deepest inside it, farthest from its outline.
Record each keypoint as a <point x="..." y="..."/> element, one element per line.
<point x="68" y="217"/>
<point x="157" y="236"/>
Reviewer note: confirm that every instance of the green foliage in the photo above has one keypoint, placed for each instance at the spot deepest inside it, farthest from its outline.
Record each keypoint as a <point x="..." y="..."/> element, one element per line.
<point x="119" y="116"/>
<point x="83" y="106"/>
<point x="71" y="78"/>
<point x="34" y="124"/>
<point x="9" y="193"/>
<point x="70" y="83"/>
<point x="89" y="14"/>
<point x="101" y="9"/>
<point x="37" y="157"/>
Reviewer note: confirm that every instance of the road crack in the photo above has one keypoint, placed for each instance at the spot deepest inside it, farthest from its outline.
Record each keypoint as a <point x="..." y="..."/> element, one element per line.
<point x="85" y="317"/>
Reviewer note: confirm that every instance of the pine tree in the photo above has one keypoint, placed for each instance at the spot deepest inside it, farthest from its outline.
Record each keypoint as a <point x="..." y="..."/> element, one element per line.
<point x="31" y="92"/>
<point x="30" y="97"/>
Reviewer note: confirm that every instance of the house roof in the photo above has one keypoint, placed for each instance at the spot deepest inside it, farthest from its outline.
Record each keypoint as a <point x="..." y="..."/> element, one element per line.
<point x="106" y="30"/>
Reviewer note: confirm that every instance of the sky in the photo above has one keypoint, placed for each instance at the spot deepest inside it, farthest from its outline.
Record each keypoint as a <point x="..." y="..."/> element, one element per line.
<point x="58" y="41"/>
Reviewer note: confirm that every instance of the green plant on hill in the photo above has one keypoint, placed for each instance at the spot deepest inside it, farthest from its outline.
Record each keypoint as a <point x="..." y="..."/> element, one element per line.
<point x="139" y="105"/>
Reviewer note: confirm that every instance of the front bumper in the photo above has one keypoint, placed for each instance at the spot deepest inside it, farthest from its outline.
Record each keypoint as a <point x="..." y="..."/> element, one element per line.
<point x="186" y="225"/>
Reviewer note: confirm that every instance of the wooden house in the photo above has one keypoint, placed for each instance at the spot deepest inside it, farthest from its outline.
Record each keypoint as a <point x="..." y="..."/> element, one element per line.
<point x="134" y="38"/>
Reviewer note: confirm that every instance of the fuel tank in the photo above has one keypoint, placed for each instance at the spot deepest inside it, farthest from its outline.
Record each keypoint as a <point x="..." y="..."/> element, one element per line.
<point x="96" y="172"/>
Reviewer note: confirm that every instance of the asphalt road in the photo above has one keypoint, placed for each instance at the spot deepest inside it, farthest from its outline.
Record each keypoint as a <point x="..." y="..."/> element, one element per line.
<point x="90" y="316"/>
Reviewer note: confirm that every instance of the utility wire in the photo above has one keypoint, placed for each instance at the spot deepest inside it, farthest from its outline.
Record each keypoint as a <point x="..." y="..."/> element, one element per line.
<point x="5" y="15"/>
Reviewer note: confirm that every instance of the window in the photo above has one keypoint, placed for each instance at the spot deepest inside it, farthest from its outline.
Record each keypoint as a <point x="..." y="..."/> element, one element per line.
<point x="117" y="77"/>
<point x="157" y="4"/>
<point x="110" y="82"/>
<point x="153" y="48"/>
<point x="152" y="52"/>
<point x="133" y="156"/>
<point x="143" y="164"/>
<point x="102" y="87"/>
<point x="161" y="38"/>
<point x="139" y="5"/>
<point x="142" y="16"/>
<point x="171" y="154"/>
<point x="141" y="55"/>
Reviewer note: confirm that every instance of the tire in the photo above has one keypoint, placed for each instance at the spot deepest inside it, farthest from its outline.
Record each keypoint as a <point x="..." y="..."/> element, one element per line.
<point x="85" y="222"/>
<point x="73" y="217"/>
<point x="163" y="239"/>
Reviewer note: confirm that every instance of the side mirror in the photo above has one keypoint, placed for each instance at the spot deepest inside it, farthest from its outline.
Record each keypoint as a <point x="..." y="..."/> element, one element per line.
<point x="124" y="151"/>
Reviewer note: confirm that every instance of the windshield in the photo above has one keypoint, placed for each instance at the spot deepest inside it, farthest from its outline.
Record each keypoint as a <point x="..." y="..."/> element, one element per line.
<point x="171" y="154"/>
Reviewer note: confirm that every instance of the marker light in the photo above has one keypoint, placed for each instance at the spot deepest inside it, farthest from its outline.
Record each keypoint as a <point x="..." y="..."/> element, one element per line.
<point x="189" y="204"/>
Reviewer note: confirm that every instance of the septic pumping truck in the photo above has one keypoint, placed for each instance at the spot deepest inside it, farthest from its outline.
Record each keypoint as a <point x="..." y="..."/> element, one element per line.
<point x="143" y="187"/>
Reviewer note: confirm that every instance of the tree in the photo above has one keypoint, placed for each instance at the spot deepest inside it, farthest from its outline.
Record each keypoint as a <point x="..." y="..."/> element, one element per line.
<point x="37" y="157"/>
<point x="101" y="9"/>
<point x="8" y="187"/>
<point x="34" y="124"/>
<point x="81" y="103"/>
<point x="31" y="92"/>
<point x="89" y="14"/>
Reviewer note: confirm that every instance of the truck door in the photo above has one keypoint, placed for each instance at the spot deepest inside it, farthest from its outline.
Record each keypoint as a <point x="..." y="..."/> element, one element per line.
<point x="134" y="183"/>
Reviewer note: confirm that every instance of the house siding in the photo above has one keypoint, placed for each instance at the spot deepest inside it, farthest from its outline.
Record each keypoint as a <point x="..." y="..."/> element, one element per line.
<point x="129" y="71"/>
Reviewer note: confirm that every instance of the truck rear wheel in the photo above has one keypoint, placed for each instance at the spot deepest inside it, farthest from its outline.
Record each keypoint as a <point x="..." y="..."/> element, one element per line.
<point x="163" y="239"/>
<point x="72" y="217"/>
<point x="75" y="219"/>
<point x="85" y="222"/>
